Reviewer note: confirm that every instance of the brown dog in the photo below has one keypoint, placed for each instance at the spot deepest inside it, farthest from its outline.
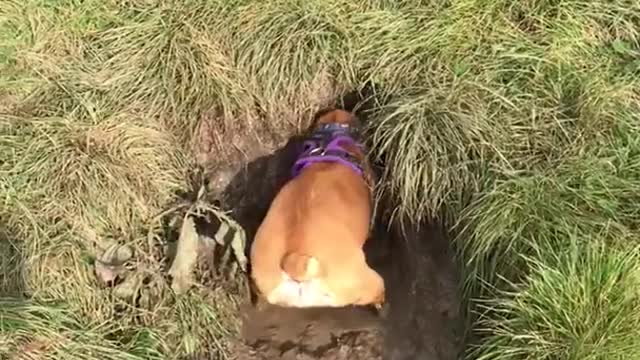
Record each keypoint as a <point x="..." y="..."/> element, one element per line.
<point x="308" y="250"/>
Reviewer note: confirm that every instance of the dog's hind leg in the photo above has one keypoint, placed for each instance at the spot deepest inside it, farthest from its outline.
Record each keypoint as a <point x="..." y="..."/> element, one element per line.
<point x="372" y="289"/>
<point x="266" y="274"/>
<point x="357" y="285"/>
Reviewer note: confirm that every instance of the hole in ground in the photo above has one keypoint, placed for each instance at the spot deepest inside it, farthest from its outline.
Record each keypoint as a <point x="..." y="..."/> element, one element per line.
<point x="416" y="261"/>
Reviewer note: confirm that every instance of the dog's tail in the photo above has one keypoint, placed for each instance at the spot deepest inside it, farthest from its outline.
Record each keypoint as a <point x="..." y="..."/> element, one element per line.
<point x="300" y="267"/>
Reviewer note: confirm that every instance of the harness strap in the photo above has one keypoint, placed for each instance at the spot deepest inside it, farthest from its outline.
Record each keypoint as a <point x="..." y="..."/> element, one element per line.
<point x="328" y="144"/>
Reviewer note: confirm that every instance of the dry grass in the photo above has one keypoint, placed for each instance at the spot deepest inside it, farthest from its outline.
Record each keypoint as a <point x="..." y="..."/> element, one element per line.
<point x="516" y="121"/>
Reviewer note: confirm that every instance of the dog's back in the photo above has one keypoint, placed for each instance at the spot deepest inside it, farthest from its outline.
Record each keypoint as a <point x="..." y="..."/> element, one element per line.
<point x="331" y="209"/>
<point x="314" y="231"/>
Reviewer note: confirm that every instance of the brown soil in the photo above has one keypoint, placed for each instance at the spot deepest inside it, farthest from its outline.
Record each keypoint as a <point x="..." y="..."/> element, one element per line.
<point x="355" y="345"/>
<point x="274" y="333"/>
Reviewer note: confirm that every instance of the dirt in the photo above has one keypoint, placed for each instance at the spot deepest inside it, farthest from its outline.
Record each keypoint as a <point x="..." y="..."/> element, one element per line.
<point x="353" y="345"/>
<point x="421" y="319"/>
<point x="311" y="333"/>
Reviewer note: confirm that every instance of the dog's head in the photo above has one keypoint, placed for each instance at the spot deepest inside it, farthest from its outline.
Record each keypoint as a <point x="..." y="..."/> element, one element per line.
<point x="339" y="116"/>
<point x="342" y="117"/>
<point x="336" y="116"/>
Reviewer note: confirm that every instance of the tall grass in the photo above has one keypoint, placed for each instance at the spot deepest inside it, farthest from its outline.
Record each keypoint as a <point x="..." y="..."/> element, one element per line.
<point x="31" y="330"/>
<point x="575" y="305"/>
<point x="516" y="121"/>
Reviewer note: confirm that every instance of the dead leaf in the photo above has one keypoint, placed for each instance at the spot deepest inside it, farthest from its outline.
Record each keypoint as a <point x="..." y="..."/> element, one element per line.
<point x="110" y="264"/>
<point x="208" y="242"/>
<point x="186" y="257"/>
<point x="221" y="233"/>
<point x="238" y="241"/>
<point x="238" y="244"/>
<point x="129" y="288"/>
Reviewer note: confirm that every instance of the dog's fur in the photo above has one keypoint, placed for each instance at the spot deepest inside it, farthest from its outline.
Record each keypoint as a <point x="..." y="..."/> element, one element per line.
<point x="308" y="251"/>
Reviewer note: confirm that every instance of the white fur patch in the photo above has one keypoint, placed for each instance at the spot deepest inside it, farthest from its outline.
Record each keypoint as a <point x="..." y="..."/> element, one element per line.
<point x="300" y="294"/>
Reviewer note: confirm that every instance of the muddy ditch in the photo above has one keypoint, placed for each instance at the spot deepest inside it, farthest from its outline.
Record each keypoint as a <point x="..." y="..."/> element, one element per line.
<point x="421" y="321"/>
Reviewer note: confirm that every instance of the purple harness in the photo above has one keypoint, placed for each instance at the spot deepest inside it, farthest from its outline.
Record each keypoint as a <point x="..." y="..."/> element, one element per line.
<point x="327" y="144"/>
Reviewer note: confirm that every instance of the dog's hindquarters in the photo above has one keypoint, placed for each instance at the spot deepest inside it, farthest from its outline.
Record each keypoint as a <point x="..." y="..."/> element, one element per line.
<point x="300" y="267"/>
<point x="356" y="283"/>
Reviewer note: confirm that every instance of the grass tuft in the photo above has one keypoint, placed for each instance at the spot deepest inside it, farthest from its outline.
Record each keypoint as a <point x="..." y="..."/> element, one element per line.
<point x="50" y="329"/>
<point x="580" y="303"/>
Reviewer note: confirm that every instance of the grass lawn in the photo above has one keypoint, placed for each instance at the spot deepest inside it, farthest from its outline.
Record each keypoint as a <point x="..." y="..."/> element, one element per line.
<point x="516" y="121"/>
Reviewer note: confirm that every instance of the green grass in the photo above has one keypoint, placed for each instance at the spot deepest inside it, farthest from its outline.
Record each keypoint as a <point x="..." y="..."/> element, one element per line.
<point x="517" y="122"/>
<point x="576" y="304"/>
